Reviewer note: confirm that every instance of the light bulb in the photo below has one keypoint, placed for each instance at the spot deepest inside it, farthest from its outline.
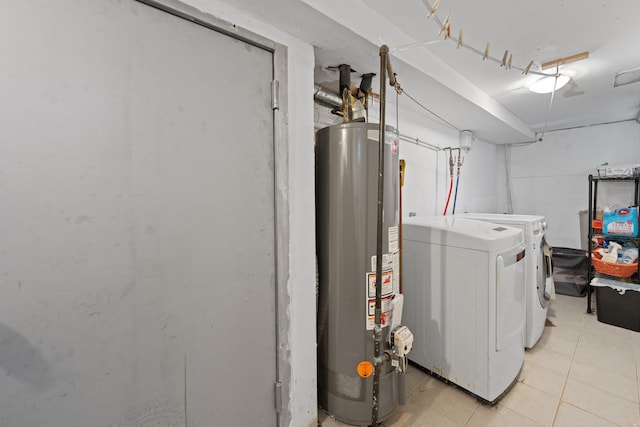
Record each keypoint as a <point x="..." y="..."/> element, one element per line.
<point x="547" y="83"/>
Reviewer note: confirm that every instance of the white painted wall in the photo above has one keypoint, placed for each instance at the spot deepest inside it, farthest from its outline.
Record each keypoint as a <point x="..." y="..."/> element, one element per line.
<point x="550" y="178"/>
<point x="478" y="179"/>
<point x="427" y="171"/>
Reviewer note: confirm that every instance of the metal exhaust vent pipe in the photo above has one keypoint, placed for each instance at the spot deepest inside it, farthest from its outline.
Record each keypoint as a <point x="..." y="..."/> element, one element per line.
<point x="345" y="91"/>
<point x="332" y="100"/>
<point x="326" y="98"/>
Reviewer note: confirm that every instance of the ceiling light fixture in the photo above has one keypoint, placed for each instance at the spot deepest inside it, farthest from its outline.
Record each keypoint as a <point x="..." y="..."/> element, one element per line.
<point x="548" y="84"/>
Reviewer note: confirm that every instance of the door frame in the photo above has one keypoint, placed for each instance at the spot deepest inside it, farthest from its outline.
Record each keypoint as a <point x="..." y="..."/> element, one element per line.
<point x="282" y="386"/>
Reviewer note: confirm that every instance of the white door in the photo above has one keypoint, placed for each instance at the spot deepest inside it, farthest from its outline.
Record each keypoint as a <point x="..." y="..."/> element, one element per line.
<point x="137" y="264"/>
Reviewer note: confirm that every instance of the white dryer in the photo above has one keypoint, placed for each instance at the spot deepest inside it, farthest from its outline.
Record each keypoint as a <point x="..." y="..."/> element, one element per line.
<point x="463" y="284"/>
<point x="538" y="274"/>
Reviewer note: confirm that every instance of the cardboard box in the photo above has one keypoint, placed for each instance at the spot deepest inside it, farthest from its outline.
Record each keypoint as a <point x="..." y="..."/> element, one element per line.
<point x="599" y="214"/>
<point x="605" y="171"/>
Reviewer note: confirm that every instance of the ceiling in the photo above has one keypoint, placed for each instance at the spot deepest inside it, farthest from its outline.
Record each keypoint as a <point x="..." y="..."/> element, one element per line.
<point x="457" y="84"/>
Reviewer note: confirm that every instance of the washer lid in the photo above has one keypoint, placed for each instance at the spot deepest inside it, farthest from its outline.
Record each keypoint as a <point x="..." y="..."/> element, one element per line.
<point x="532" y="225"/>
<point x="461" y="232"/>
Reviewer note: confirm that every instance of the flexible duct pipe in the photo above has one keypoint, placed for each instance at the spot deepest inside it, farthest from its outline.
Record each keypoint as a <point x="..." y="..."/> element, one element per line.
<point x="326" y="98"/>
<point x="332" y="100"/>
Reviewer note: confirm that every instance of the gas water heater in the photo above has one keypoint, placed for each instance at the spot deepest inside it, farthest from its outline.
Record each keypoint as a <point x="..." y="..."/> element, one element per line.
<point x="346" y="221"/>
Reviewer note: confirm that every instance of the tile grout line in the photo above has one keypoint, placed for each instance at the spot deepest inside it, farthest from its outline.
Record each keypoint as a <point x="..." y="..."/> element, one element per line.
<point x="472" y="413"/>
<point x="595" y="415"/>
<point x="583" y="329"/>
<point x="635" y="363"/>
<point x="413" y="393"/>
<point x="564" y="386"/>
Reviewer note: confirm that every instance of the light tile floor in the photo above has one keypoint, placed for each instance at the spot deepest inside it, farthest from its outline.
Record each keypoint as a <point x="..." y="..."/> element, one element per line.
<point x="581" y="373"/>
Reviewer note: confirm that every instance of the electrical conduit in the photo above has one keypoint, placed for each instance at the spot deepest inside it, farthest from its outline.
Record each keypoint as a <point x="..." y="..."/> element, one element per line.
<point x="377" y="329"/>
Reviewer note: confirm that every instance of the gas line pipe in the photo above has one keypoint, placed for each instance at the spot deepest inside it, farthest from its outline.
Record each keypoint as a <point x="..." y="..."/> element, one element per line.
<point x="385" y="66"/>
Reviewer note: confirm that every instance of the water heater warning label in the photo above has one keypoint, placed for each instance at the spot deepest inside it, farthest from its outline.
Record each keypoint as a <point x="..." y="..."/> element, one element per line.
<point x="385" y="318"/>
<point x="387" y="284"/>
<point x="393" y="239"/>
<point x="385" y="302"/>
<point x="396" y="273"/>
<point x="387" y="296"/>
<point x="387" y="262"/>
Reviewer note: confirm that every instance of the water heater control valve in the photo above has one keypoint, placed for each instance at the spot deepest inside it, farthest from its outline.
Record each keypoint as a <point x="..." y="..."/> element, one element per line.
<point x="402" y="341"/>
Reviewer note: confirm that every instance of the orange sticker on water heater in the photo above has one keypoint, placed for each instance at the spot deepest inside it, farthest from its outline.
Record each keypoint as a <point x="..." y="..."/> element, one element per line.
<point x="365" y="369"/>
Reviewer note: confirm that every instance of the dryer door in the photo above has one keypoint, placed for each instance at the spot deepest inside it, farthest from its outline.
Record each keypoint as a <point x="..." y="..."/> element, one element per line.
<point x="545" y="291"/>
<point x="542" y="264"/>
<point x="542" y="273"/>
<point x="510" y="308"/>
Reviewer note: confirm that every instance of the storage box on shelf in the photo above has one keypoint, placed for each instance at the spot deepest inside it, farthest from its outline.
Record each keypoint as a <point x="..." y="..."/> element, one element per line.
<point x="617" y="285"/>
<point x="619" y="171"/>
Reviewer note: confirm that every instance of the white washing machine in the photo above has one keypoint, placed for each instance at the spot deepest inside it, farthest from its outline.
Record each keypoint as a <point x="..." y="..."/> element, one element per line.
<point x="538" y="274"/>
<point x="463" y="284"/>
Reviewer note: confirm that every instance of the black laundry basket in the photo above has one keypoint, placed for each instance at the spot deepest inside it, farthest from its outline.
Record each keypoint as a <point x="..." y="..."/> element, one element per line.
<point x="570" y="271"/>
